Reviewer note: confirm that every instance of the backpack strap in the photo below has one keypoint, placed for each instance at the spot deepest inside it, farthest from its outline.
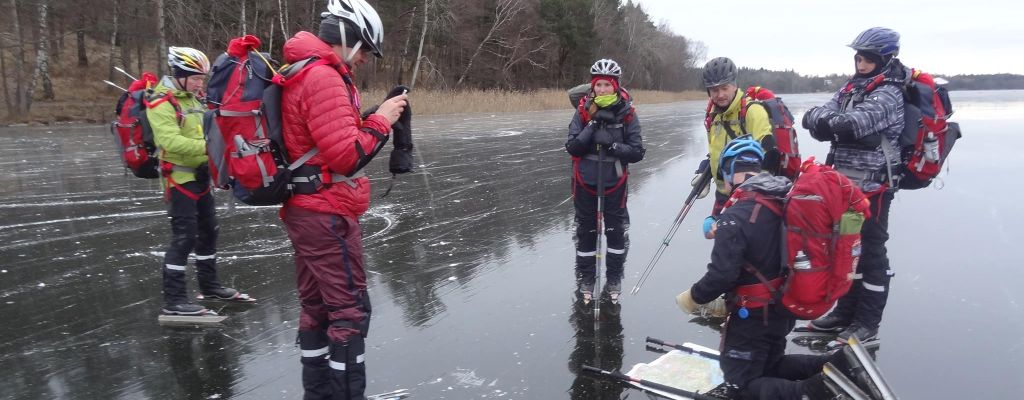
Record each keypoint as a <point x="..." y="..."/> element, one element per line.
<point x="744" y="105"/>
<point x="168" y="96"/>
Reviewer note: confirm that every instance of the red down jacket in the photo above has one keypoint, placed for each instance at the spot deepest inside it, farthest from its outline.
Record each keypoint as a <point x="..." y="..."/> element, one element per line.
<point x="317" y="111"/>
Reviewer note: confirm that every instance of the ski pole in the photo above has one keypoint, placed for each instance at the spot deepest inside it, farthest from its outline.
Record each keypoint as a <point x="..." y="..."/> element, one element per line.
<point x="691" y="350"/>
<point x="844" y="384"/>
<point x="871" y="367"/>
<point x="702" y="182"/>
<point x="114" y="85"/>
<point x="599" y="257"/>
<point x="656" y="386"/>
<point x="118" y="69"/>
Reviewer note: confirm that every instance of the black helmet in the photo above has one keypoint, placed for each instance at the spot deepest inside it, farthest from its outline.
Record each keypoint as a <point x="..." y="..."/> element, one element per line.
<point x="719" y="71"/>
<point x="882" y="41"/>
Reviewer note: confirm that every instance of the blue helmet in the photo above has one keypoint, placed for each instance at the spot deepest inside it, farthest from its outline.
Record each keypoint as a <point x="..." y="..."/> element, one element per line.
<point x="743" y="151"/>
<point x="881" y="41"/>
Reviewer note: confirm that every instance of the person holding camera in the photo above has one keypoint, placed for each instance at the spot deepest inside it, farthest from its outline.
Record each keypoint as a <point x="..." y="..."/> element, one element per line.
<point x="604" y="138"/>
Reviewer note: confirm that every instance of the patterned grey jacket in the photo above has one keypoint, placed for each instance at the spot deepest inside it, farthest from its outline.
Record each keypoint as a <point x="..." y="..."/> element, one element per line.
<point x="875" y="112"/>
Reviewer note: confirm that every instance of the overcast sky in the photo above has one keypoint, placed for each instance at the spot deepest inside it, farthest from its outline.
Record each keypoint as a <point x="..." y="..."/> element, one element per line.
<point x="939" y="36"/>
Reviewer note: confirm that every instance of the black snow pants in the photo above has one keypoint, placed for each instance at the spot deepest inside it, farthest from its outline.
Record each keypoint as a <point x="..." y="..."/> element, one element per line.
<point x="864" y="303"/>
<point x="616" y="227"/>
<point x="754" y="361"/>
<point x="193" y="227"/>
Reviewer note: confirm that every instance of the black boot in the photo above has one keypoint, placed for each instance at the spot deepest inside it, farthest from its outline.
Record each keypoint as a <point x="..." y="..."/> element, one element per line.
<point x="206" y="274"/>
<point x="832" y="322"/>
<point x="586" y="275"/>
<point x="863" y="333"/>
<point x="348" y="370"/>
<point x="814" y="388"/>
<point x="174" y="285"/>
<point x="184" y="309"/>
<point x="316" y="375"/>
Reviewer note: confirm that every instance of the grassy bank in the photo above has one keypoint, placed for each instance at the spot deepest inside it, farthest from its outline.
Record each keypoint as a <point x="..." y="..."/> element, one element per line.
<point x="94" y="103"/>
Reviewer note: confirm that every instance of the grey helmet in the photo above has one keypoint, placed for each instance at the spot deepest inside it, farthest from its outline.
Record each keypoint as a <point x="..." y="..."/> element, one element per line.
<point x="882" y="41"/>
<point x="719" y="71"/>
<point x="606" y="67"/>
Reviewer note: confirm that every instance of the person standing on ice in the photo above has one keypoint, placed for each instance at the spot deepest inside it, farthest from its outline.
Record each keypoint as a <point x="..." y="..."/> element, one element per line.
<point x="723" y="124"/>
<point x="868" y="109"/>
<point x="606" y="119"/>
<point x="754" y="336"/>
<point x="176" y="116"/>
<point x="320" y="110"/>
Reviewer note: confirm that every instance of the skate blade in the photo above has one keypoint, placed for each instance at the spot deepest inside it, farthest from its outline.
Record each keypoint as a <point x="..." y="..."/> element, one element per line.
<point x="838" y="344"/>
<point x="241" y="298"/>
<point x="207" y="319"/>
<point x="392" y="395"/>
<point x="809" y="329"/>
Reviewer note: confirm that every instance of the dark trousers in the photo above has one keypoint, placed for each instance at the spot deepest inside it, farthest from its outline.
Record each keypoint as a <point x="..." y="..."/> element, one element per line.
<point x="193" y="227"/>
<point x="616" y="230"/>
<point x="864" y="303"/>
<point x="335" y="316"/>
<point x="754" y="360"/>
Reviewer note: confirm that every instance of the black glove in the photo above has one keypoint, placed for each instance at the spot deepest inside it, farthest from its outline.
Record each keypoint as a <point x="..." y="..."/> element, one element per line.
<point x="401" y="131"/>
<point x="604" y="116"/>
<point x="603" y="137"/>
<point x="822" y="131"/>
<point x="704" y="165"/>
<point x="203" y="173"/>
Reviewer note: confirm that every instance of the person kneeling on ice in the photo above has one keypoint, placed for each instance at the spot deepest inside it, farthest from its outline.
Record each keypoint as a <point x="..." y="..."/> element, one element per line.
<point x="604" y="138"/>
<point x="175" y="114"/>
<point x="320" y="111"/>
<point x="746" y="249"/>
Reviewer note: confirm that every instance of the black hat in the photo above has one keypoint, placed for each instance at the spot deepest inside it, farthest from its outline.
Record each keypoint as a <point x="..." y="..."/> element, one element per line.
<point x="331" y="34"/>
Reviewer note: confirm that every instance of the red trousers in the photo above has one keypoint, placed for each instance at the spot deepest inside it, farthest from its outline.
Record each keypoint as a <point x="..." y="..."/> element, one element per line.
<point x="329" y="272"/>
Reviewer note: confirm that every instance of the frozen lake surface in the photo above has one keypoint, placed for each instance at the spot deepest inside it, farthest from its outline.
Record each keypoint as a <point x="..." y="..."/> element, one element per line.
<point x="470" y="264"/>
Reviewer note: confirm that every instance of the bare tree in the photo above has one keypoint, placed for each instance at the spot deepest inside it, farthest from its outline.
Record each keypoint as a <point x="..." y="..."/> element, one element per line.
<point x="281" y="16"/>
<point x="161" y="47"/>
<point x="243" y="17"/>
<point x="83" y="57"/>
<point x="113" y="43"/>
<point x="423" y="37"/>
<point x="505" y="12"/>
<point x="405" y="49"/>
<point x="19" y="65"/>
<point x="42" y="72"/>
<point x="3" y="79"/>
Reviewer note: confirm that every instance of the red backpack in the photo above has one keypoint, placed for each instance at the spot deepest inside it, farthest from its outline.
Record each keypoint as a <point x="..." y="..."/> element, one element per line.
<point x="245" y="147"/>
<point x="132" y="137"/>
<point x="781" y="119"/>
<point x="928" y="136"/>
<point x="822" y="218"/>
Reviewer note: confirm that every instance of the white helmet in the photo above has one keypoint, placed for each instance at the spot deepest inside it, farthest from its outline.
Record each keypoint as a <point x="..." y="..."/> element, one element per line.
<point x="364" y="19"/>
<point x="188" y="59"/>
<point x="606" y="67"/>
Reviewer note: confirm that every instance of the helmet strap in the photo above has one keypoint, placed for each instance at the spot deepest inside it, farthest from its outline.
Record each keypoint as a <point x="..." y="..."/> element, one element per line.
<point x="352" y="54"/>
<point x="179" y="83"/>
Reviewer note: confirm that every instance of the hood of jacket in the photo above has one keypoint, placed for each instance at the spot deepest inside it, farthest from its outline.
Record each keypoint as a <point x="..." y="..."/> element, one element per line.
<point x="766" y="183"/>
<point x="305" y="45"/>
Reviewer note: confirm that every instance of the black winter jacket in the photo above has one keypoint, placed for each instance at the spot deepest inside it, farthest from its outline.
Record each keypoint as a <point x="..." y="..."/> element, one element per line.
<point x="738" y="242"/>
<point x="628" y="147"/>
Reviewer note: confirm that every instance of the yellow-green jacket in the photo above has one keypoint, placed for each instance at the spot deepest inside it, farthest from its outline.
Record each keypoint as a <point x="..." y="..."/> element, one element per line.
<point x="757" y="125"/>
<point x="179" y="141"/>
